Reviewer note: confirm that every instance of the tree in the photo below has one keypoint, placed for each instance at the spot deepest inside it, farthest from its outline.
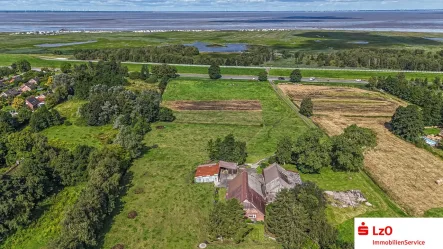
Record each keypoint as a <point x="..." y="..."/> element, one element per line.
<point x="227" y="221"/>
<point x="134" y="75"/>
<point x="166" y="115"/>
<point x="163" y="84"/>
<point x="227" y="150"/>
<point x="307" y="107"/>
<point x="18" y="102"/>
<point x="23" y="66"/>
<point x="144" y="72"/>
<point x="263" y="76"/>
<point x="373" y="83"/>
<point x="130" y="140"/>
<point x="360" y="137"/>
<point x="284" y="150"/>
<point x="214" y="72"/>
<point x="297" y="218"/>
<point x="65" y="67"/>
<point x="407" y="123"/>
<point x="345" y="156"/>
<point x="164" y="70"/>
<point x="311" y="152"/>
<point x="43" y="118"/>
<point x="295" y="76"/>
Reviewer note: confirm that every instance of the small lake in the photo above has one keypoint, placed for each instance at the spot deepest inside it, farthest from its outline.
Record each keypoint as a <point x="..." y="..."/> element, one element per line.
<point x="359" y="42"/>
<point x="227" y="48"/>
<point x="56" y="45"/>
<point x="438" y="39"/>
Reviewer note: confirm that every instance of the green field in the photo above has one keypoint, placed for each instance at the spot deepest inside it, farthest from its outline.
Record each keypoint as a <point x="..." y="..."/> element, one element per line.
<point x="69" y="136"/>
<point x="350" y="74"/>
<point x="173" y="211"/>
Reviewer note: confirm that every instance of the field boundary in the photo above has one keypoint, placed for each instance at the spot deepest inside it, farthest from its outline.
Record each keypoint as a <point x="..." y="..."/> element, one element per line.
<point x="295" y="108"/>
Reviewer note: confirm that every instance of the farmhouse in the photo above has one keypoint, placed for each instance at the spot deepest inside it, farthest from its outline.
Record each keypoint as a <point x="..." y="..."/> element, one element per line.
<point x="10" y="93"/>
<point x="247" y="189"/>
<point x="277" y="178"/>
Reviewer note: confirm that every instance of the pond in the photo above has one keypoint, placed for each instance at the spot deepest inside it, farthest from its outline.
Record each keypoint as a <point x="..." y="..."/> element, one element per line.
<point x="227" y="48"/>
<point x="438" y="39"/>
<point x="56" y="45"/>
<point x="359" y="42"/>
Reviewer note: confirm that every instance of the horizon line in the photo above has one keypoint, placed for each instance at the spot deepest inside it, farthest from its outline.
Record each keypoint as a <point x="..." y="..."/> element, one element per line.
<point x="357" y="10"/>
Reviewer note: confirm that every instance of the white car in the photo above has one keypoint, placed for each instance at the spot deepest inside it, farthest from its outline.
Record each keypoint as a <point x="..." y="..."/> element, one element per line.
<point x="312" y="78"/>
<point x="358" y="80"/>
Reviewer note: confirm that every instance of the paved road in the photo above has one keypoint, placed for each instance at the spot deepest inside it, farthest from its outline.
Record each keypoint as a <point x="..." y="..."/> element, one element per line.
<point x="266" y="68"/>
<point x="250" y="77"/>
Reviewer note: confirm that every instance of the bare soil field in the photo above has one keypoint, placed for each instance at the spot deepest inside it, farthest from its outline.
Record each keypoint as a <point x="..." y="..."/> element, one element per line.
<point x="232" y="105"/>
<point x="405" y="172"/>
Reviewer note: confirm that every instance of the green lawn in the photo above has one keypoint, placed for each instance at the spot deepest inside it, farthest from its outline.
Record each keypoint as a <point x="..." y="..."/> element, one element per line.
<point x="432" y="131"/>
<point x="77" y="133"/>
<point x="251" y="118"/>
<point x="47" y="227"/>
<point x="435" y="212"/>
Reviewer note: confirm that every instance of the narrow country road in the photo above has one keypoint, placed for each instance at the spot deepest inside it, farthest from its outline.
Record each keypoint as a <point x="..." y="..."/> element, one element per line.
<point x="273" y="78"/>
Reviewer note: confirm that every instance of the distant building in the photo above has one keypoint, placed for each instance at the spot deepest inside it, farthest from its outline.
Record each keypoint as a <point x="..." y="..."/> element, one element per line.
<point x="247" y="189"/>
<point x="33" y="81"/>
<point x="10" y="93"/>
<point x="207" y="173"/>
<point x="27" y="87"/>
<point x="15" y="78"/>
<point x="41" y="98"/>
<point x="32" y="103"/>
<point x="277" y="178"/>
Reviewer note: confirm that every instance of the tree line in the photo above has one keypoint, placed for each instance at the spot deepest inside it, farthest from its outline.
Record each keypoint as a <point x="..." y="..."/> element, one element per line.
<point x="42" y="170"/>
<point x="420" y="92"/>
<point x="374" y="58"/>
<point x="177" y="54"/>
<point x="313" y="151"/>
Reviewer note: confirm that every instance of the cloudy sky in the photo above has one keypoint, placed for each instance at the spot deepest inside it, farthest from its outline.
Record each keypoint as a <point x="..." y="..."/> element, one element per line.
<point x="217" y="5"/>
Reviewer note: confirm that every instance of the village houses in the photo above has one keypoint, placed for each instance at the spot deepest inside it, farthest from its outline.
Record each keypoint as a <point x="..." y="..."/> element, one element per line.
<point x="10" y="93"/>
<point x="35" y="102"/>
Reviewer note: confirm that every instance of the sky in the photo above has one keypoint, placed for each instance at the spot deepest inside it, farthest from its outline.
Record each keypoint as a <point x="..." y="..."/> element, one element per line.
<point x="219" y="5"/>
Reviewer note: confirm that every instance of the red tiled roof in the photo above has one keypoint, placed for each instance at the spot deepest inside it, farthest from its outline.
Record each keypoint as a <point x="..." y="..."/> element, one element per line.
<point x="207" y="170"/>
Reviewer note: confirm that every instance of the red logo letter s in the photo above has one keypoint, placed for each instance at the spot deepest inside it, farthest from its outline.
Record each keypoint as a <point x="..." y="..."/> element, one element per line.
<point x="363" y="230"/>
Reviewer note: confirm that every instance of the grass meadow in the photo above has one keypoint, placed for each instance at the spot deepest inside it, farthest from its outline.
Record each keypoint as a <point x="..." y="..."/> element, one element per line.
<point x="172" y="210"/>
